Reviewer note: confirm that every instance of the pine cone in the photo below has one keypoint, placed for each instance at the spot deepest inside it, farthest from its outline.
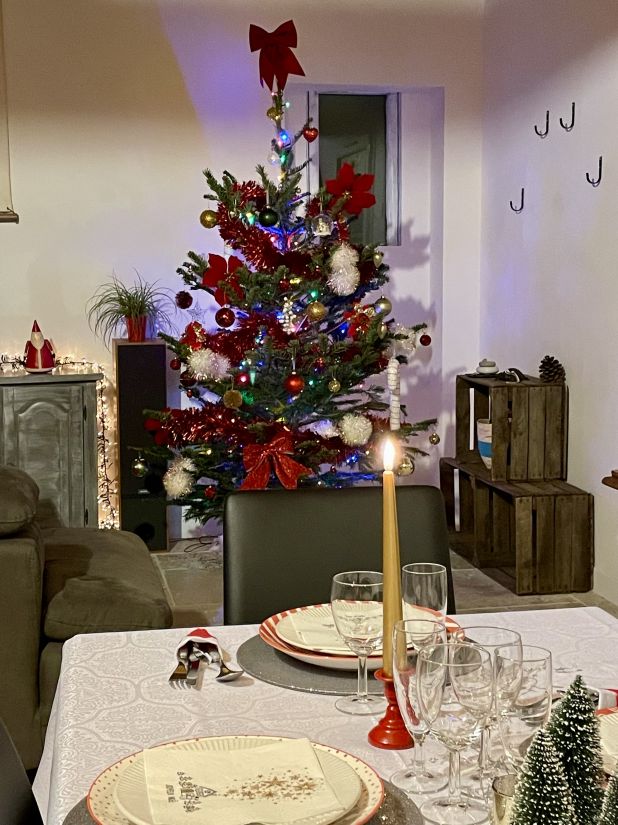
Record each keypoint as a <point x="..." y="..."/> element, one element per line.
<point x="551" y="371"/>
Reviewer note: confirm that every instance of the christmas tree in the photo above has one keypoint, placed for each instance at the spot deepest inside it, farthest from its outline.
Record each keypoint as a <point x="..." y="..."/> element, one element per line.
<point x="283" y="386"/>
<point x="542" y="795"/>
<point x="609" y="814"/>
<point x="574" y="728"/>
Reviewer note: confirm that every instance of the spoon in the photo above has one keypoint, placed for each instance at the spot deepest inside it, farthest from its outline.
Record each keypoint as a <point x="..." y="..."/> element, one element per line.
<point x="226" y="674"/>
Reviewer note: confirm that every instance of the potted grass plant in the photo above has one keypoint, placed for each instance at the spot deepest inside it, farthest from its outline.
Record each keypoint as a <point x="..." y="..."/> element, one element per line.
<point x="115" y="306"/>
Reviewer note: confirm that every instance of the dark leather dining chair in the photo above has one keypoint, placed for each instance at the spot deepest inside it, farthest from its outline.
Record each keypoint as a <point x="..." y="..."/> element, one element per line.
<point x="17" y="803"/>
<point x="281" y="548"/>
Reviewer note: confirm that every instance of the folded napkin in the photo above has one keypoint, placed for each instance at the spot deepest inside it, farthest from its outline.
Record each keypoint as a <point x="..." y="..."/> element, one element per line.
<point x="201" y="638"/>
<point x="608" y="728"/>
<point x="274" y="783"/>
<point x="317" y="631"/>
<point x="608" y="698"/>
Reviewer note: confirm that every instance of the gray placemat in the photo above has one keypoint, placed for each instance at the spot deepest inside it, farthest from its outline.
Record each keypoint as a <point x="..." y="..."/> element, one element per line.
<point x="269" y="665"/>
<point x="397" y="809"/>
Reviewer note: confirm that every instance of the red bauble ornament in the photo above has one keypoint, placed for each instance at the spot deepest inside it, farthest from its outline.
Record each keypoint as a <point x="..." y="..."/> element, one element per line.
<point x="425" y="339"/>
<point x="242" y="379"/>
<point x="210" y="491"/>
<point x="320" y="364"/>
<point x="184" y="299"/>
<point x="284" y="285"/>
<point x="175" y="363"/>
<point x="310" y="133"/>
<point x="187" y="378"/>
<point x="225" y="317"/>
<point x="189" y="393"/>
<point x="294" y="384"/>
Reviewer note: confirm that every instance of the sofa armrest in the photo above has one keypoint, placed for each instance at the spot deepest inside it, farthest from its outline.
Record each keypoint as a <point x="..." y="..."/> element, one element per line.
<point x="21" y="575"/>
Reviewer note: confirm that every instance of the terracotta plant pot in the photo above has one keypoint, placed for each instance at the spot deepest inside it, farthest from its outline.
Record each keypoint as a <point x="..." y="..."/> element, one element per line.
<point x="136" y="329"/>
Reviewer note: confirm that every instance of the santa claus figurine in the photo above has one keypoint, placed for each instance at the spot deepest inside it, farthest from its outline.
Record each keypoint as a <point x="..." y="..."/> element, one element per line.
<point x="39" y="354"/>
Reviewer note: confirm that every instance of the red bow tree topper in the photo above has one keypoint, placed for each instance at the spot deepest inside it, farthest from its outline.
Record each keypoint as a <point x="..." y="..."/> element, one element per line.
<point x="277" y="60"/>
<point x="352" y="189"/>
<point x="261" y="459"/>
<point x="221" y="270"/>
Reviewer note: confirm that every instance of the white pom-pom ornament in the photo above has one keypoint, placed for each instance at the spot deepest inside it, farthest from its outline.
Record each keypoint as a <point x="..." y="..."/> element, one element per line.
<point x="344" y="275"/>
<point x="205" y="363"/>
<point x="355" y="430"/>
<point x="178" y="481"/>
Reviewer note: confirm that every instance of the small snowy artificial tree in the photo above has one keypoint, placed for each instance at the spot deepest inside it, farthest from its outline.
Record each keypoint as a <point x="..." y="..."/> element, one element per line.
<point x="609" y="814"/>
<point x="574" y="728"/>
<point x="542" y="795"/>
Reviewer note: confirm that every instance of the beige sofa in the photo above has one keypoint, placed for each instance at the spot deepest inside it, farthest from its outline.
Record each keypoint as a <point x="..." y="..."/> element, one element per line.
<point x="56" y="582"/>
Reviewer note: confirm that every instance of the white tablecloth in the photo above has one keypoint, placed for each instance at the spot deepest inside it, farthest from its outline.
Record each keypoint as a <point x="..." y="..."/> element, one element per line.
<point x="113" y="698"/>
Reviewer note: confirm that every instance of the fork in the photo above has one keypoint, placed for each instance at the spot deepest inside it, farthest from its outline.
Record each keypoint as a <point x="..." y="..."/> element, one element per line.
<point x="178" y="679"/>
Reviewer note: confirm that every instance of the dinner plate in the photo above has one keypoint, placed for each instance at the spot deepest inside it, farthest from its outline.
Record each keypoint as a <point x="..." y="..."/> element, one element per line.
<point x="313" y="628"/>
<point x="608" y="728"/>
<point x="104" y="810"/>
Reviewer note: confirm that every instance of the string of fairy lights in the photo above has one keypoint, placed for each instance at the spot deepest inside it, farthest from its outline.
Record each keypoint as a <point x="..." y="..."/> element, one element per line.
<point x="107" y="487"/>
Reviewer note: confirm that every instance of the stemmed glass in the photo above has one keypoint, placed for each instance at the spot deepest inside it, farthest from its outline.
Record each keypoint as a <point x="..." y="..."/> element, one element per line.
<point x="524" y="696"/>
<point x="356" y="602"/>
<point x="423" y="584"/>
<point x="492" y="639"/>
<point x="455" y="691"/>
<point x="409" y="637"/>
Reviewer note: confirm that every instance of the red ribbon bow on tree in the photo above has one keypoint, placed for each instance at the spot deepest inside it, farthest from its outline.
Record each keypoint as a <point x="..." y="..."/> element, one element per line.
<point x="260" y="459"/>
<point x="276" y="56"/>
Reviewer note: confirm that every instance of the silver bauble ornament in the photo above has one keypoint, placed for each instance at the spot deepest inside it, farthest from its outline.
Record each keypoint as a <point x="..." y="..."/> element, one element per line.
<point x="434" y="439"/>
<point x="322" y="225"/>
<point x="406" y="468"/>
<point x="383" y="306"/>
<point x="139" y="468"/>
<point x="378" y="257"/>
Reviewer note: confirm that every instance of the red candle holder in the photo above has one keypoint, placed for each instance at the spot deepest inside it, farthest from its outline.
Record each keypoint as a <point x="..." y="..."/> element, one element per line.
<point x="390" y="732"/>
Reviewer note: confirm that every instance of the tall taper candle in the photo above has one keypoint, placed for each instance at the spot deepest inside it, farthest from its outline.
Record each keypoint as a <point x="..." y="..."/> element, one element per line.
<point x="391" y="565"/>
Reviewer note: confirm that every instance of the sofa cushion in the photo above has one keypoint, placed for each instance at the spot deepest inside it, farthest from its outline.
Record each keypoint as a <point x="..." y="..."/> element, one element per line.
<point x="18" y="500"/>
<point x="98" y="581"/>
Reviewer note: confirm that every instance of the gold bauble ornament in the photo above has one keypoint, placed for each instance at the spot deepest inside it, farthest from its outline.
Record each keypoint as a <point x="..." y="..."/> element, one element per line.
<point x="273" y="113"/>
<point x="232" y="399"/>
<point x="334" y="385"/>
<point x="434" y="439"/>
<point x="382" y="329"/>
<point x="378" y="257"/>
<point x="208" y="218"/>
<point x="316" y="311"/>
<point x="406" y="468"/>
<point x="383" y="306"/>
<point x="139" y="468"/>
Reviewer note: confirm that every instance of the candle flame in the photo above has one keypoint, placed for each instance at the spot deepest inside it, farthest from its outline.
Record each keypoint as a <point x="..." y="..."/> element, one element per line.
<point x="389" y="454"/>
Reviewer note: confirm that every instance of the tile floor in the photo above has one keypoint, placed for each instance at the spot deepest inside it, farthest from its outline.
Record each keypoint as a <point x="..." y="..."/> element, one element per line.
<point x="193" y="579"/>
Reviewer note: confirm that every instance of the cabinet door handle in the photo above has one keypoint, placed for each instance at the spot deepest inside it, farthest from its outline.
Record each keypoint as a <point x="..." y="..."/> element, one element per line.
<point x="85" y="412"/>
<point x="86" y="516"/>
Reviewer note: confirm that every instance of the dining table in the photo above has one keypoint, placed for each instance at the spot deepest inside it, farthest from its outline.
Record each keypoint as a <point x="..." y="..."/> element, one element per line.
<point x="113" y="697"/>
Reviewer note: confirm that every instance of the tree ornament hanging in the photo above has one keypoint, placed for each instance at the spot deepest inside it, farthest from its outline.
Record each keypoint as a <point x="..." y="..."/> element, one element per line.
<point x="310" y="133"/>
<point x="288" y="316"/>
<point x="268" y="217"/>
<point x="355" y="429"/>
<point x="382" y="329"/>
<point x="434" y="439"/>
<point x="175" y="364"/>
<point x="425" y="339"/>
<point x="209" y="365"/>
<point x="178" y="480"/>
<point x="184" y="299"/>
<point x="334" y="385"/>
<point x="383" y="305"/>
<point x="225" y="317"/>
<point x="208" y="218"/>
<point x="187" y="378"/>
<point x="139" y="468"/>
<point x="322" y="225"/>
<point x="344" y="274"/>
<point x="242" y="379"/>
<point x="378" y="257"/>
<point x="232" y="399"/>
<point x="274" y="114"/>
<point x="294" y="383"/>
<point x="316" y="311"/>
<point x="406" y="466"/>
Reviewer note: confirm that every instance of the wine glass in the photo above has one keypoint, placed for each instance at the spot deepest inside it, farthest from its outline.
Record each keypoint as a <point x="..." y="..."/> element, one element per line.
<point x="455" y="692"/>
<point x="492" y="639"/>
<point x="524" y="696"/>
<point x="409" y="637"/>
<point x="356" y="602"/>
<point x="423" y="584"/>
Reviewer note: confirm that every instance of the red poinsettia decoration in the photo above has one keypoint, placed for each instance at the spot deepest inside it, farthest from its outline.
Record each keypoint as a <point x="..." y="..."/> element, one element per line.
<point x="353" y="188"/>
<point x="221" y="270"/>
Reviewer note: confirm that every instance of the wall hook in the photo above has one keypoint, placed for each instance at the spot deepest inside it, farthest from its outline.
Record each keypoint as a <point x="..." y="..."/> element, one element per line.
<point x="598" y="180"/>
<point x="521" y="206"/>
<point x="567" y="128"/>
<point x="546" y="132"/>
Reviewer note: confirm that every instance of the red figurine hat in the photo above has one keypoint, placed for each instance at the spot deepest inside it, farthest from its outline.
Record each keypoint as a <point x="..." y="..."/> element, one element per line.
<point x="39" y="354"/>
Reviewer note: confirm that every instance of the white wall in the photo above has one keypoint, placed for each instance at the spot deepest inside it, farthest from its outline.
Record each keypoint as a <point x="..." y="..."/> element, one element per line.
<point x="549" y="278"/>
<point x="117" y="105"/>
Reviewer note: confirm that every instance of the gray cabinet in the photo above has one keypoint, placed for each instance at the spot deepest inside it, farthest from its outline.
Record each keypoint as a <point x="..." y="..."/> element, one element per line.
<point x="49" y="429"/>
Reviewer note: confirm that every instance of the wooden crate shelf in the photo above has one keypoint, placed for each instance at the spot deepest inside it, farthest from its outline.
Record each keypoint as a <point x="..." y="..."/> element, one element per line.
<point x="543" y="528"/>
<point x="529" y="432"/>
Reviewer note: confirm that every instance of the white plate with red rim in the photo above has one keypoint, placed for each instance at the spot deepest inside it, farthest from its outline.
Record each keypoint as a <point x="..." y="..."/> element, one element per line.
<point x="102" y="803"/>
<point x="281" y="632"/>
